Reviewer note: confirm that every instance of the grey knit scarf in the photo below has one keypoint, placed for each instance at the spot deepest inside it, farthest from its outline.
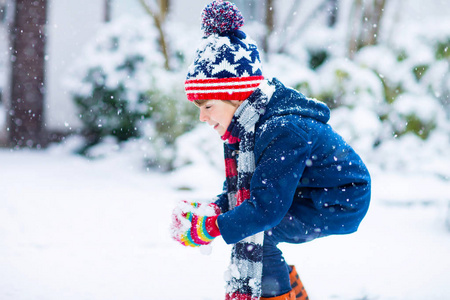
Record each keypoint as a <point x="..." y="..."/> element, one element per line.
<point x="245" y="270"/>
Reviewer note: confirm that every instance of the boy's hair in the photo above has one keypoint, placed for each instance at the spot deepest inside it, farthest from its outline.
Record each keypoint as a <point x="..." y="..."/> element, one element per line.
<point x="200" y="102"/>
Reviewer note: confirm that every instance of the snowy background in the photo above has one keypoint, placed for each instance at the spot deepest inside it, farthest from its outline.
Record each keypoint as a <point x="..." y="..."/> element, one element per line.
<point x="72" y="228"/>
<point x="97" y="226"/>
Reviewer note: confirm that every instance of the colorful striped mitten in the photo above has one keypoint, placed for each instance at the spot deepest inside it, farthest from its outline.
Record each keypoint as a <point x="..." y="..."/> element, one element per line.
<point x="194" y="224"/>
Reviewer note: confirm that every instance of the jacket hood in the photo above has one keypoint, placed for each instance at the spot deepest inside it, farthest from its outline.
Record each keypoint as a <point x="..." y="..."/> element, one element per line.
<point x="287" y="101"/>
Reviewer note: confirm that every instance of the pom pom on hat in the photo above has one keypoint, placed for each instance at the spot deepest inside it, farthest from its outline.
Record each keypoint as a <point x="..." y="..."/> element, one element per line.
<point x="227" y="64"/>
<point x="220" y="17"/>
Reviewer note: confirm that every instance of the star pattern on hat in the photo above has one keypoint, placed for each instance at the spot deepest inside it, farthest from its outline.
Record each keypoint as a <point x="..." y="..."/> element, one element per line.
<point x="208" y="55"/>
<point x="242" y="53"/>
<point x="255" y="66"/>
<point x="219" y="57"/>
<point x="224" y="65"/>
<point x="201" y="75"/>
<point x="245" y="74"/>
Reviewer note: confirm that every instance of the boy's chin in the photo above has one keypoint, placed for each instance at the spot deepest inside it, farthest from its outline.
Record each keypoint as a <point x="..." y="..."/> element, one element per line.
<point x="220" y="131"/>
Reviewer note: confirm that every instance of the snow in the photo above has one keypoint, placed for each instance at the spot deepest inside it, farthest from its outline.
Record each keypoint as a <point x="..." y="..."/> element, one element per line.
<point x="69" y="28"/>
<point x="99" y="228"/>
<point x="73" y="228"/>
<point x="122" y="42"/>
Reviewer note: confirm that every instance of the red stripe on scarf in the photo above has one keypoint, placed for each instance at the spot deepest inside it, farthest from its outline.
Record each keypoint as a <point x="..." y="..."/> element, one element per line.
<point x="231" y="139"/>
<point x="230" y="167"/>
<point x="242" y="195"/>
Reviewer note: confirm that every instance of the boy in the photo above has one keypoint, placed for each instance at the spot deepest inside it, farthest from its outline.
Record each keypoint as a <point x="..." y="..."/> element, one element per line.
<point x="289" y="176"/>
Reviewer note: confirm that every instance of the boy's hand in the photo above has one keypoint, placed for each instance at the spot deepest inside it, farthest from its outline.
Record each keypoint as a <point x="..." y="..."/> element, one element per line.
<point x="194" y="224"/>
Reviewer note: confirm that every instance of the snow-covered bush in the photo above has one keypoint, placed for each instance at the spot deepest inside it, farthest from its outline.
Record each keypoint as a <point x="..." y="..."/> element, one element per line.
<point x="405" y="106"/>
<point x="110" y="79"/>
<point x="122" y="89"/>
<point x="345" y="83"/>
<point x="436" y="76"/>
<point x="424" y="53"/>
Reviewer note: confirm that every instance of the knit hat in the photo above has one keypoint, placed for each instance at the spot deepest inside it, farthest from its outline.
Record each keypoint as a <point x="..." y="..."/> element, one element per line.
<point x="227" y="64"/>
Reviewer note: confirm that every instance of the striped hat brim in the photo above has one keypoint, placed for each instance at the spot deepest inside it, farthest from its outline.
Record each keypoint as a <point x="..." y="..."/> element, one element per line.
<point x="236" y="88"/>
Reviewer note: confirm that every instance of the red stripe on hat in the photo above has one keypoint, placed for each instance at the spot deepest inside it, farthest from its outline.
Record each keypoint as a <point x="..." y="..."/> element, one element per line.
<point x="221" y="84"/>
<point x="239" y="88"/>
<point x="206" y="87"/>
<point x="219" y="96"/>
<point x="224" y="80"/>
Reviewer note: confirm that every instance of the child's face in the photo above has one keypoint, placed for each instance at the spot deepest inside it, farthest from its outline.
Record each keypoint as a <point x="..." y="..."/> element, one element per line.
<point x="218" y="114"/>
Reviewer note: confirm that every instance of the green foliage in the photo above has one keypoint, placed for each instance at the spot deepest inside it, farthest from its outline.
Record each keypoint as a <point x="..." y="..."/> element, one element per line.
<point x="442" y="50"/>
<point x="122" y="89"/>
<point x="107" y="111"/>
<point x="171" y="115"/>
<point x="342" y="75"/>
<point x="344" y="83"/>
<point x="330" y="98"/>
<point x="412" y="123"/>
<point x="334" y="95"/>
<point x="419" y="71"/>
<point x="317" y="58"/>
<point x="391" y="91"/>
<point x="304" y="87"/>
<point x="363" y="87"/>
<point x="417" y="126"/>
<point x="402" y="56"/>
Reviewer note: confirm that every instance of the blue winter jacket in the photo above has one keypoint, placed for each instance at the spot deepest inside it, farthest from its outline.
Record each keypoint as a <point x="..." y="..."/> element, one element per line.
<point x="302" y="166"/>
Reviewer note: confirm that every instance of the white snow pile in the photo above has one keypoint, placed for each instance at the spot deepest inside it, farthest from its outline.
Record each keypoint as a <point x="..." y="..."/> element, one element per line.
<point x="72" y="228"/>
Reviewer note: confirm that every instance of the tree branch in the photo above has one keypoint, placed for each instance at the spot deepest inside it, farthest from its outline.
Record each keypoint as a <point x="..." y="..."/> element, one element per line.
<point x="158" y="23"/>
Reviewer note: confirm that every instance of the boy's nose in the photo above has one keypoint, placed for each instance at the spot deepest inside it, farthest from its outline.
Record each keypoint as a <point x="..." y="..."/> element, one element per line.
<point x="203" y="116"/>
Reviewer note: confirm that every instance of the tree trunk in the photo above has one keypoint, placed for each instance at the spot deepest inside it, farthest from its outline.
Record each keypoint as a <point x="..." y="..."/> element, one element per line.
<point x="26" y="115"/>
<point x="375" y="20"/>
<point x="270" y="23"/>
<point x="365" y="24"/>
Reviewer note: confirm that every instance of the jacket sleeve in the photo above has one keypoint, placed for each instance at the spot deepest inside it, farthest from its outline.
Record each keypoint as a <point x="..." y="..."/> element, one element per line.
<point x="222" y="199"/>
<point x="280" y="156"/>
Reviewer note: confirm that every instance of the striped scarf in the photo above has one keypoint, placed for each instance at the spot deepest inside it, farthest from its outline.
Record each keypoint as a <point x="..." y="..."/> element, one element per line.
<point x="245" y="270"/>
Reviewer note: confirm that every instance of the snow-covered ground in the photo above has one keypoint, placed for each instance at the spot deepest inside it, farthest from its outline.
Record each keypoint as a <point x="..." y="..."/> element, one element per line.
<point x="72" y="228"/>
